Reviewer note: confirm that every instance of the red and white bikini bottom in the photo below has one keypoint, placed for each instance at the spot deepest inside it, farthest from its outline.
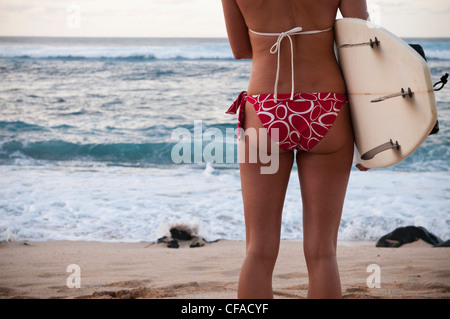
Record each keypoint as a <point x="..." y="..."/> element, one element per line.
<point x="301" y="122"/>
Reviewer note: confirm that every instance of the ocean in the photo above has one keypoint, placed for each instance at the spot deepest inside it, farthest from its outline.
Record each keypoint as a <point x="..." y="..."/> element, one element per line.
<point x="91" y="128"/>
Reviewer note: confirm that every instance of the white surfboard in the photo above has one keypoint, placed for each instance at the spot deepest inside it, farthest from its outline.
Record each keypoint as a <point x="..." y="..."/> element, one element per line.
<point x="390" y="92"/>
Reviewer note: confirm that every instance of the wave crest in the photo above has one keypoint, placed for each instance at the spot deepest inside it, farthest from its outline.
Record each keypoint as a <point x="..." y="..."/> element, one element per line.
<point x="138" y="53"/>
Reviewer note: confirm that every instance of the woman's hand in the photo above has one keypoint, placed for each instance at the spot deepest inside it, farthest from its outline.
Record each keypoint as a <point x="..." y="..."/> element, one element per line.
<point x="362" y="168"/>
<point x="354" y="9"/>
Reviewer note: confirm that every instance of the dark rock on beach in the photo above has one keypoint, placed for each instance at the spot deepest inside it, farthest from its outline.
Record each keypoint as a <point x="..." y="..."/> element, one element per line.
<point x="409" y="234"/>
<point x="443" y="244"/>
<point x="198" y="242"/>
<point x="183" y="235"/>
<point x="173" y="244"/>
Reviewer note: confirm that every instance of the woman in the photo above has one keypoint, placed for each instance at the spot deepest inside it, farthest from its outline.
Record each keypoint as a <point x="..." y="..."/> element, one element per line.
<point x="291" y="44"/>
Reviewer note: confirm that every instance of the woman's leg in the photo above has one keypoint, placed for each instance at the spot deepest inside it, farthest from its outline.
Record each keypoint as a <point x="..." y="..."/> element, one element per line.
<point x="324" y="172"/>
<point x="263" y="196"/>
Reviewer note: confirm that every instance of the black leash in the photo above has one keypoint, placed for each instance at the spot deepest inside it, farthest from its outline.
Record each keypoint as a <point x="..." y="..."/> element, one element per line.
<point x="444" y="80"/>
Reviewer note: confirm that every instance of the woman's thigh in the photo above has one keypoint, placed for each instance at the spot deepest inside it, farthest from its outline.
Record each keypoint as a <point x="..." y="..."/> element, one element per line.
<point x="324" y="172"/>
<point x="263" y="194"/>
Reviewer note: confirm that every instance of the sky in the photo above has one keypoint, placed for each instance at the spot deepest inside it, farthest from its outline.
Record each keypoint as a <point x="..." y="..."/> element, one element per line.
<point x="187" y="18"/>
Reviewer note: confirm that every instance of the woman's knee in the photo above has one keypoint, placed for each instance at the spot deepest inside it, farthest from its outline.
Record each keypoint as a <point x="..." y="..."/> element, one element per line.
<point x="263" y="254"/>
<point x="316" y="257"/>
<point x="319" y="247"/>
<point x="319" y="251"/>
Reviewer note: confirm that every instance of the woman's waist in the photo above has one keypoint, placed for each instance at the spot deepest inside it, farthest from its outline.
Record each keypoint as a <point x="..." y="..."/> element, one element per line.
<point x="314" y="76"/>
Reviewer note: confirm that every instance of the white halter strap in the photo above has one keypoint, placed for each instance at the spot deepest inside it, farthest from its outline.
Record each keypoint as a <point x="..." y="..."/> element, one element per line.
<point x="276" y="48"/>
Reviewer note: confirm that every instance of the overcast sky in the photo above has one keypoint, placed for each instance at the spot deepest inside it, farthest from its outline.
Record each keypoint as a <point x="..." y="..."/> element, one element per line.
<point x="186" y="18"/>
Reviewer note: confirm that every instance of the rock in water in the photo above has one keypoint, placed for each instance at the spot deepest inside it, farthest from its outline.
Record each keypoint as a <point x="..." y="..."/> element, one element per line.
<point x="408" y="234"/>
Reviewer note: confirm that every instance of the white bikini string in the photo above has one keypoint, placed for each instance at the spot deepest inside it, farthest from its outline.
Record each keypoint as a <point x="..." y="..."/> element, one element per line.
<point x="276" y="48"/>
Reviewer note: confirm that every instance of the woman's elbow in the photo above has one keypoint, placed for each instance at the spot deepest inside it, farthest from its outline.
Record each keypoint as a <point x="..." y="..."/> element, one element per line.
<point x="242" y="54"/>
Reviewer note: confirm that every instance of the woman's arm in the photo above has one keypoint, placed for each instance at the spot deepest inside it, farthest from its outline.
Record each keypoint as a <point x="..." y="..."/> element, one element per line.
<point x="237" y="30"/>
<point x="354" y="9"/>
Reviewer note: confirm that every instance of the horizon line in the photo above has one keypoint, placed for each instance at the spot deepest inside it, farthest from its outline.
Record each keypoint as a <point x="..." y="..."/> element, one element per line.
<point x="169" y="37"/>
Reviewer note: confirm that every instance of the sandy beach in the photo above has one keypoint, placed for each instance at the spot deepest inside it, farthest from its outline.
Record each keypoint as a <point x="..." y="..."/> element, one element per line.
<point x="150" y="270"/>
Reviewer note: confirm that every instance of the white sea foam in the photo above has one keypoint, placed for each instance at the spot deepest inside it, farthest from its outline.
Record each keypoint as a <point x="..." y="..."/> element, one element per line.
<point x="438" y="54"/>
<point x="137" y="204"/>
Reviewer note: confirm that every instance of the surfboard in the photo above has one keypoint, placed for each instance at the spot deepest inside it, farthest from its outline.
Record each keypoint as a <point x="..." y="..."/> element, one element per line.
<point x="390" y="92"/>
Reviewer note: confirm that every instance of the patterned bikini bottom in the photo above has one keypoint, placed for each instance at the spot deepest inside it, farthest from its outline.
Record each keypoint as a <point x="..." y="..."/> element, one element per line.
<point x="301" y="121"/>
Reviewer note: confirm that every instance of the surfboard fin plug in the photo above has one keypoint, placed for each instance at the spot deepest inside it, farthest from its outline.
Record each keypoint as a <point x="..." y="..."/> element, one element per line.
<point x="409" y="93"/>
<point x="374" y="42"/>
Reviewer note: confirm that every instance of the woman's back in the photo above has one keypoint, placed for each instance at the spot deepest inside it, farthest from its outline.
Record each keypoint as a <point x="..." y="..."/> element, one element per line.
<point x="316" y="69"/>
<point x="285" y="14"/>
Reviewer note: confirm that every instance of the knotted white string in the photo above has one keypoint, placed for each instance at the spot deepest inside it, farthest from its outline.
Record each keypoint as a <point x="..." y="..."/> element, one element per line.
<point x="276" y="48"/>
